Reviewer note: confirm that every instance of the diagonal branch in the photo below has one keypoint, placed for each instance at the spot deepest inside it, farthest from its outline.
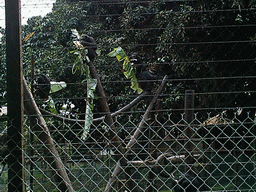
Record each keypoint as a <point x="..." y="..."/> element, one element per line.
<point x="127" y="107"/>
<point x="44" y="135"/>
<point x="146" y="115"/>
<point x="115" y="140"/>
<point x="133" y="139"/>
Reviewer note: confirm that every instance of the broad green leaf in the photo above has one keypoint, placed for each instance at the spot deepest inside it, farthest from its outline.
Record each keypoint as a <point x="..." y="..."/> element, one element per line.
<point x="78" y="44"/>
<point x="91" y="86"/>
<point x="88" y="121"/>
<point x="51" y="106"/>
<point x="92" y="83"/>
<point x="129" y="70"/>
<point x="118" y="53"/>
<point x="56" y="86"/>
<point x="98" y="52"/>
<point x="80" y="64"/>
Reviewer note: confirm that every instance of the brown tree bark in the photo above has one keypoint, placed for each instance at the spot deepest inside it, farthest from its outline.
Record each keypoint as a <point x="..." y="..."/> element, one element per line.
<point x="115" y="141"/>
<point x="43" y="133"/>
<point x="136" y="134"/>
<point x="125" y="108"/>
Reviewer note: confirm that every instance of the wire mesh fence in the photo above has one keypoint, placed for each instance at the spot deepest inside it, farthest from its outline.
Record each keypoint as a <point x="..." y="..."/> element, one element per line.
<point x="218" y="156"/>
<point x="172" y="108"/>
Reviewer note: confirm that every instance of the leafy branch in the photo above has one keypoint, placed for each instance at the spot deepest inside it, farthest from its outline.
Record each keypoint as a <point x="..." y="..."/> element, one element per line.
<point x="81" y="64"/>
<point x="129" y="70"/>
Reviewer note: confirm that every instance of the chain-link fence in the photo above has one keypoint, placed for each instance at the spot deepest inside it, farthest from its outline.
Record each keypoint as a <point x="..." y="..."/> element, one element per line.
<point x="172" y="108"/>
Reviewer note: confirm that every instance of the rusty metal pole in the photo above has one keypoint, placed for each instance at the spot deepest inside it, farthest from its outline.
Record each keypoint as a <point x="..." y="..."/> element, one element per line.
<point x="14" y="96"/>
<point x="189" y="116"/>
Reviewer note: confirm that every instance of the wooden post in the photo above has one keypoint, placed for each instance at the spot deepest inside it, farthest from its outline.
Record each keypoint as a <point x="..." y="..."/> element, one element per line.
<point x="189" y="116"/>
<point x="33" y="123"/>
<point x="189" y="105"/>
<point x="14" y="96"/>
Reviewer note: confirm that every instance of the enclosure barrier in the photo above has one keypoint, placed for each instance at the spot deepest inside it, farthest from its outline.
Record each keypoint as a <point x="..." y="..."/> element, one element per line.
<point x="220" y="155"/>
<point x="191" y="128"/>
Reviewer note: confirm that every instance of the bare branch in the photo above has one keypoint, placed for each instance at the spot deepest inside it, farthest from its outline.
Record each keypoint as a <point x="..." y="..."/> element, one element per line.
<point x="44" y="135"/>
<point x="125" y="108"/>
<point x="117" y="169"/>
<point x="146" y="115"/>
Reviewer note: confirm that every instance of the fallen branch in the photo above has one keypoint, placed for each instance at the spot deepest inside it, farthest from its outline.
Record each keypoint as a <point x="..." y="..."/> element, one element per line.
<point x="176" y="159"/>
<point x="156" y="165"/>
<point x="44" y="135"/>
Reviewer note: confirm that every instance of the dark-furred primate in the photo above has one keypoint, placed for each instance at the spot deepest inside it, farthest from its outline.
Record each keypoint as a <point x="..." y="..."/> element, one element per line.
<point x="89" y="42"/>
<point x="42" y="86"/>
<point x="144" y="75"/>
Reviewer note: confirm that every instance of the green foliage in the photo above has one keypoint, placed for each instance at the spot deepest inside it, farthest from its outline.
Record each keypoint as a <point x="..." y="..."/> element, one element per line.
<point x="81" y="59"/>
<point x="51" y="106"/>
<point x="3" y="69"/>
<point x="176" y="34"/>
<point x="57" y="86"/>
<point x="81" y="64"/>
<point x="91" y="86"/>
<point x="129" y="70"/>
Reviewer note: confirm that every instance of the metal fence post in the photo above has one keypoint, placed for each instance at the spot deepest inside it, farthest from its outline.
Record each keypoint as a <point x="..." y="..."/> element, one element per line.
<point x="15" y="96"/>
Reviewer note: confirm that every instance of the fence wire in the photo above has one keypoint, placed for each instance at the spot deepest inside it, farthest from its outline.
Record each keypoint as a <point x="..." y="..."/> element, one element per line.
<point x="219" y="156"/>
<point x="192" y="128"/>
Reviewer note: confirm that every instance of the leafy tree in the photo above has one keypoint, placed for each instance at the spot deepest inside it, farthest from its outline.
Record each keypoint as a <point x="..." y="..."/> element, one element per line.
<point x="196" y="41"/>
<point x="3" y="68"/>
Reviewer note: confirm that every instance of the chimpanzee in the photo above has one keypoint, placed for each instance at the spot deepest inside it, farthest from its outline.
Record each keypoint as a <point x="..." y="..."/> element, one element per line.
<point x="144" y="75"/>
<point x="189" y="184"/>
<point x="65" y="37"/>
<point x="89" y="42"/>
<point x="42" y="86"/>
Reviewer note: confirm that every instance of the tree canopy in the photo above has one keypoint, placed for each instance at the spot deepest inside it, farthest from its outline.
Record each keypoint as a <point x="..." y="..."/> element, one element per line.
<point x="195" y="43"/>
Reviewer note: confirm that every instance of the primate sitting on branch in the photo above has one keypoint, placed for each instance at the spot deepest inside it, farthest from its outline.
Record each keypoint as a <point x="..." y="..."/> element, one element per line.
<point x="88" y="42"/>
<point x="144" y="75"/>
<point x="42" y="86"/>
